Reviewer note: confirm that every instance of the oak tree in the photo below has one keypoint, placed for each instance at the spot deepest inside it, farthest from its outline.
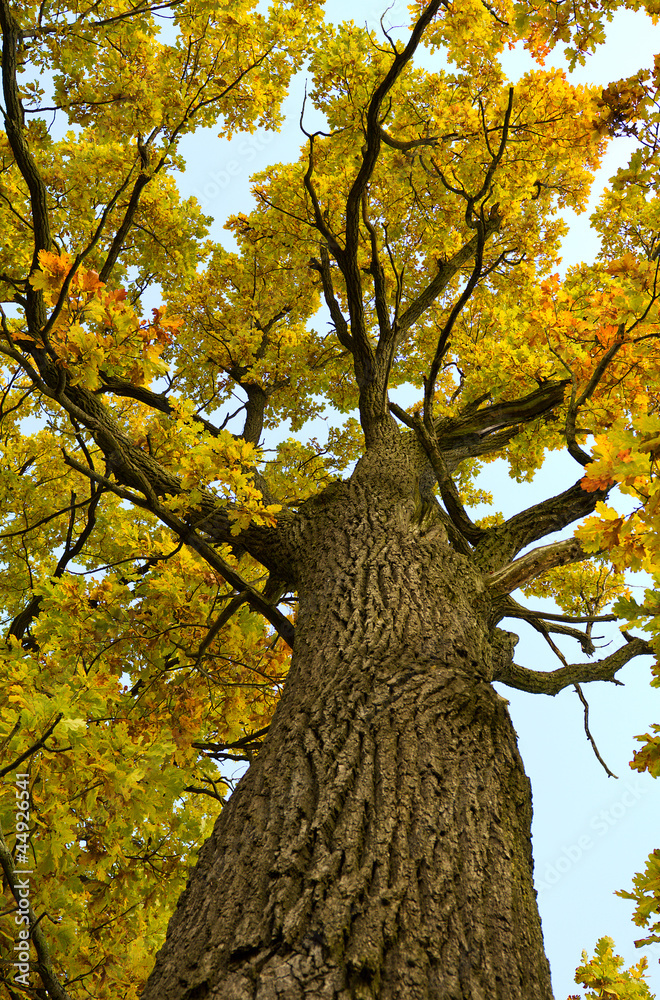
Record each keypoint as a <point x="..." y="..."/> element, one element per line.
<point x="176" y="597"/>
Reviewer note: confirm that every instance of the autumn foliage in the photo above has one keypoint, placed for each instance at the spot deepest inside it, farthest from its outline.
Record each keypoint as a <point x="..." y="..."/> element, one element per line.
<point x="136" y="662"/>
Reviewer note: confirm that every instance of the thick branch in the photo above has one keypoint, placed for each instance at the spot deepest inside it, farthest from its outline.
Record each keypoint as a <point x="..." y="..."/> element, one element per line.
<point x="479" y="431"/>
<point x="254" y="411"/>
<point x="554" y="681"/>
<point x="554" y="514"/>
<point x="138" y="470"/>
<point x="378" y="275"/>
<point x="157" y="400"/>
<point x="249" y="744"/>
<point x="448" y="491"/>
<point x="14" y="127"/>
<point x="534" y="564"/>
<point x="129" y="216"/>
<point x="489" y="428"/>
<point x="280" y="622"/>
<point x="371" y="376"/>
<point x="445" y="273"/>
<point x="24" y="618"/>
<point x="406" y="146"/>
<point x="545" y="623"/>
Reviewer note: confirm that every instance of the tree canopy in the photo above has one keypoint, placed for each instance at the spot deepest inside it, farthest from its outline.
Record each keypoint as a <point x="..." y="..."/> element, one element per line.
<point x="148" y="614"/>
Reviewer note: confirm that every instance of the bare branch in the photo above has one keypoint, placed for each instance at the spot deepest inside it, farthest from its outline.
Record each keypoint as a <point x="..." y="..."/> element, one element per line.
<point x="553" y="681"/>
<point x="448" y="491"/>
<point x="579" y="454"/>
<point x="534" y="564"/>
<point x="338" y="318"/>
<point x="120" y="236"/>
<point x="235" y="603"/>
<point x="443" y="339"/>
<point x="546" y="623"/>
<point x="319" y="219"/>
<point x="249" y="744"/>
<point x="198" y="790"/>
<point x="585" y="703"/>
<point x="505" y="541"/>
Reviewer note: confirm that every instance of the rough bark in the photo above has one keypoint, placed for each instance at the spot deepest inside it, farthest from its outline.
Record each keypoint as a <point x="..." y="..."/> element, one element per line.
<point x="379" y="846"/>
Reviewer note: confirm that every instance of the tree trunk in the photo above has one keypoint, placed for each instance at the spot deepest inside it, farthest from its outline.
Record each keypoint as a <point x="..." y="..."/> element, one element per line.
<point x="379" y="846"/>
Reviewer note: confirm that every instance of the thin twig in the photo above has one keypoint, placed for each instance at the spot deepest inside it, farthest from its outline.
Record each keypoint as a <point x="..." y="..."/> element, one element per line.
<point x="33" y="749"/>
<point x="609" y="773"/>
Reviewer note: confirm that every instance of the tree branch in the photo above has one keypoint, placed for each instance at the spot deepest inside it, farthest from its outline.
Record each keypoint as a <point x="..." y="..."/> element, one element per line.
<point x="445" y="273"/>
<point x="32" y="749"/>
<point x="487" y="429"/>
<point x="554" y="681"/>
<point x="248" y="743"/>
<point x="232" y="607"/>
<point x="157" y="400"/>
<point x="376" y="270"/>
<point x="534" y="564"/>
<point x="448" y="491"/>
<point x="44" y="964"/>
<point x="445" y="333"/>
<point x="576" y="452"/>
<point x="373" y="126"/>
<point x="338" y="318"/>
<point x="406" y="145"/>
<point x="504" y="541"/>
<point x="189" y="536"/>
<point x="585" y="704"/>
<point x="371" y="376"/>
<point x="474" y="220"/>
<point x="14" y="128"/>
<point x="545" y="623"/>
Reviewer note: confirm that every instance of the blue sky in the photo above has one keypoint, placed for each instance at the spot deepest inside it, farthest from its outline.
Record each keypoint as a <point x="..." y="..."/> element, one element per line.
<point x="591" y="833"/>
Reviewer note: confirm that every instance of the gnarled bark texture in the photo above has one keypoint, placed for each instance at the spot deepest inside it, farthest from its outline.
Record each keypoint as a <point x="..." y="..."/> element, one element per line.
<point x="379" y="846"/>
